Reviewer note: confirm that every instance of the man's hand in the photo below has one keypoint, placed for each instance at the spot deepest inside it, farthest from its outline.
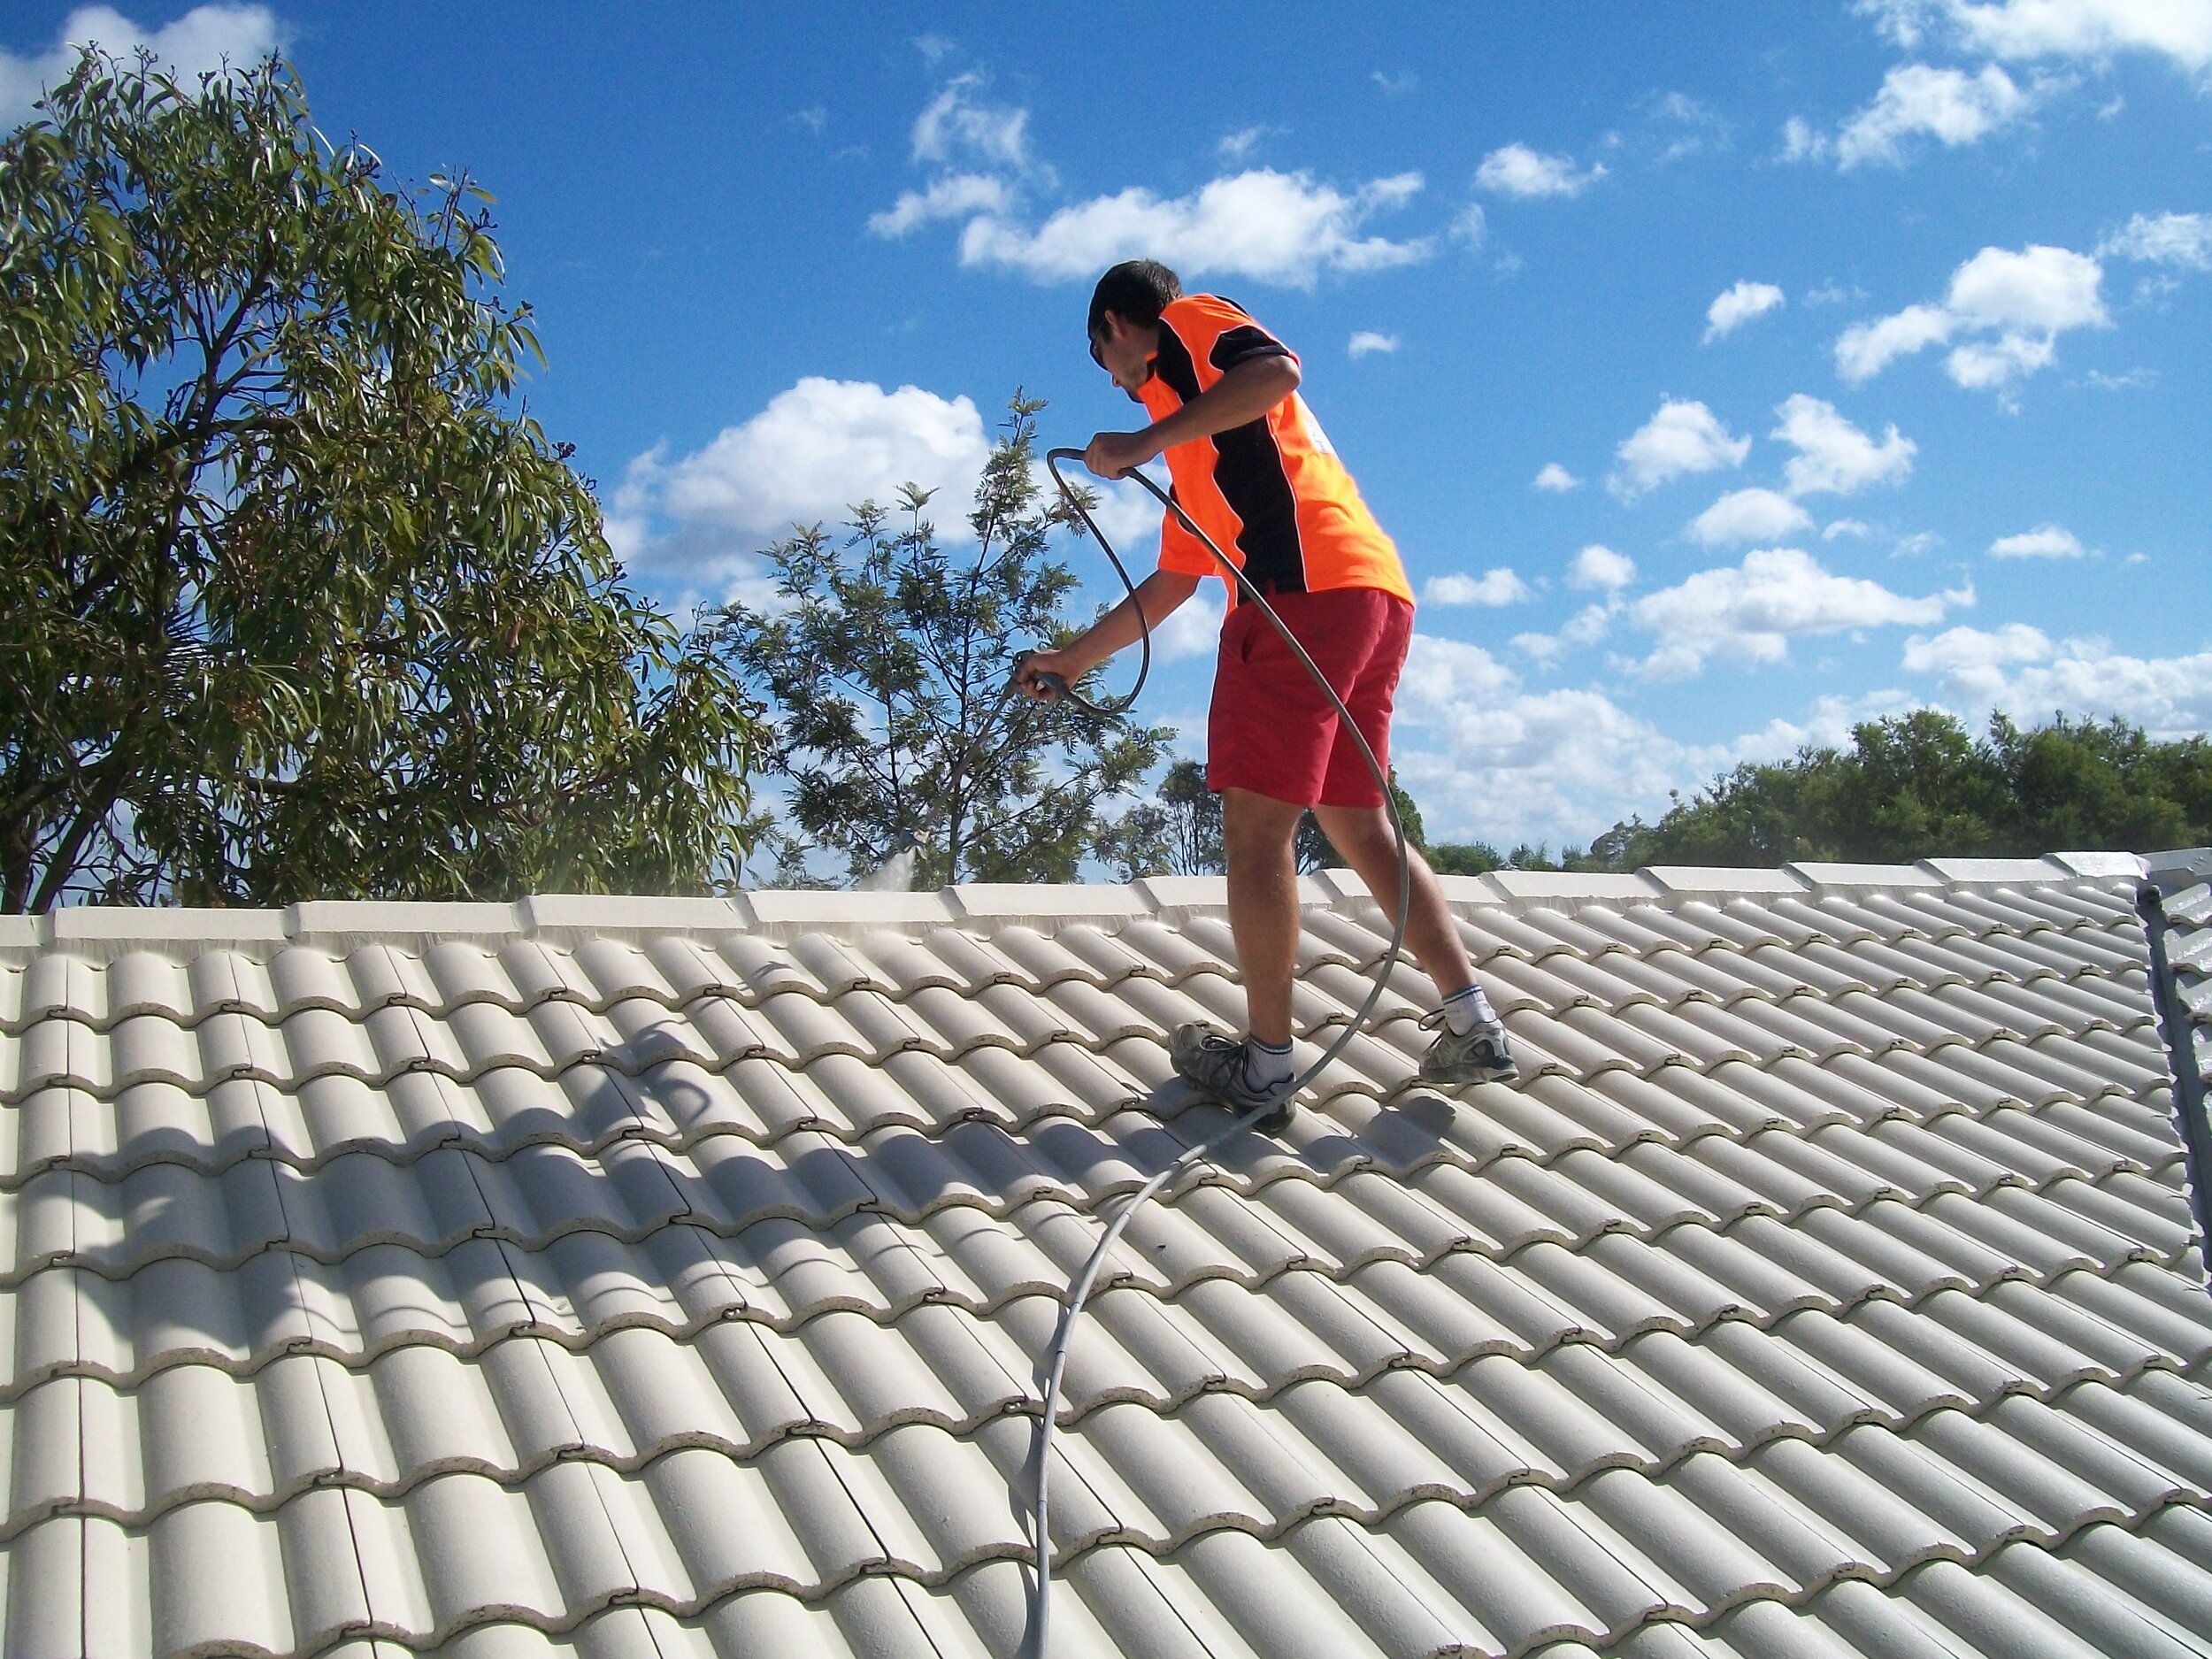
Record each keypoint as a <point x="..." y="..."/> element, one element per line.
<point x="1118" y="454"/>
<point x="1036" y="665"/>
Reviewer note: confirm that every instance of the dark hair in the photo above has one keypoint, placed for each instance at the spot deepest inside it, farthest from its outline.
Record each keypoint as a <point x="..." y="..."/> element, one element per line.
<point x="1137" y="291"/>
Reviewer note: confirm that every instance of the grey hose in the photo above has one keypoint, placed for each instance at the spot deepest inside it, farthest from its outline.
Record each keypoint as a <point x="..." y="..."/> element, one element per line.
<point x="1080" y="1288"/>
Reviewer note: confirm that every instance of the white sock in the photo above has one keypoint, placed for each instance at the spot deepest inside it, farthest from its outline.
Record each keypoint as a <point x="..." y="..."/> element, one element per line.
<point x="1264" y="1064"/>
<point x="1463" y="1010"/>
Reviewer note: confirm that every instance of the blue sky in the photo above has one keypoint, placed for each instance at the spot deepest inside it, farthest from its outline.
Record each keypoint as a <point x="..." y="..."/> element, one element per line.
<point x="1726" y="373"/>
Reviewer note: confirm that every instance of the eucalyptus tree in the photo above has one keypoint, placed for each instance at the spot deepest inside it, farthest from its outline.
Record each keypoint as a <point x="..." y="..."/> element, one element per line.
<point x="883" y="663"/>
<point x="295" y="599"/>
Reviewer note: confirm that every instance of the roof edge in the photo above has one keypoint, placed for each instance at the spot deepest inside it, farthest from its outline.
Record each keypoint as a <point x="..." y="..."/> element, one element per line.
<point x="108" y="931"/>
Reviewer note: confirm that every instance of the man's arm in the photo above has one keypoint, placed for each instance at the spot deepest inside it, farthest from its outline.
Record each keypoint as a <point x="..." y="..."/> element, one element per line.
<point x="1156" y="598"/>
<point x="1243" y="394"/>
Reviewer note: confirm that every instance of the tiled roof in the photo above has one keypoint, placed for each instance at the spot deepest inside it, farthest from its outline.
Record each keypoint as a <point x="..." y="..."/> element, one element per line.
<point x="623" y="1277"/>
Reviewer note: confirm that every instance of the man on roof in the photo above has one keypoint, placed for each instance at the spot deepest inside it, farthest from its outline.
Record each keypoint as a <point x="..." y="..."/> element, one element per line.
<point x="1251" y="464"/>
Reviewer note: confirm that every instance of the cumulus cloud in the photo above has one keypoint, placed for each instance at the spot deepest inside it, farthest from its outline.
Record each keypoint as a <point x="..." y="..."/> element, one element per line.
<point x="2093" y="30"/>
<point x="2016" y="305"/>
<point x="1492" y="588"/>
<point x="2018" y="671"/>
<point x="1367" y="341"/>
<point x="1749" y="515"/>
<point x="1486" y="757"/>
<point x="1557" y="479"/>
<point x="956" y="126"/>
<point x="813" y="450"/>
<point x="1599" y="566"/>
<point x="1964" y="652"/>
<point x="2045" y="542"/>
<point x="1948" y="105"/>
<point x="1192" y="628"/>
<point x="1833" y="456"/>
<point x="1751" y="613"/>
<point x="1279" y="228"/>
<point x="1517" y="170"/>
<point x="2176" y="238"/>
<point x="956" y="196"/>
<point x="1865" y="350"/>
<point x="199" y="42"/>
<point x="1682" y="438"/>
<point x="1737" y="306"/>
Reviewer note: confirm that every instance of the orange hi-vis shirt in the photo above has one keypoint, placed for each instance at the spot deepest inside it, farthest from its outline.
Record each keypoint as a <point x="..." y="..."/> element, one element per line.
<point x="1271" y="493"/>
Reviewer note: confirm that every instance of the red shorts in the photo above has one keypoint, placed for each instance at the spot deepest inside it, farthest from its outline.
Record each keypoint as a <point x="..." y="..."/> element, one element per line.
<point x="1273" y="730"/>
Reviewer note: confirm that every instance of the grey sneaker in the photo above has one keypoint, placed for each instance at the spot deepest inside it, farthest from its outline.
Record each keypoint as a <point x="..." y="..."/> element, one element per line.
<point x="1480" y="1055"/>
<point x="1214" y="1063"/>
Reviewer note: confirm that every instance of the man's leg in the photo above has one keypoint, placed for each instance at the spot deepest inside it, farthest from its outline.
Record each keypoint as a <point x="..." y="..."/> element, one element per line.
<point x="1362" y="834"/>
<point x="1256" y="836"/>
<point x="1473" y="1047"/>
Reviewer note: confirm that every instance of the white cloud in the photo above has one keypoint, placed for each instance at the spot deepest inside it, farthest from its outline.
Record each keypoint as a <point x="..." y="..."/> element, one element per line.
<point x="2026" y="299"/>
<point x="1681" y="439"/>
<point x="1395" y="86"/>
<point x="1833" y="456"/>
<point x="199" y="42"/>
<point x="1865" y="350"/>
<point x="1518" y="170"/>
<point x="955" y="126"/>
<point x="1847" y="527"/>
<point x="1737" y="306"/>
<point x="956" y="196"/>
<point x="1751" y="613"/>
<point x="1947" y="105"/>
<point x="1492" y="588"/>
<point x="2019" y="671"/>
<point x="2178" y="30"/>
<point x="2038" y="287"/>
<point x="1595" y="566"/>
<point x="813" y="450"/>
<point x="1586" y="626"/>
<point x="1487" y="757"/>
<point x="1236" y="148"/>
<point x="2045" y="542"/>
<point x="1599" y="566"/>
<point x="1471" y="227"/>
<point x="1801" y="142"/>
<point x="1555" y="479"/>
<point x="1125" y="514"/>
<point x="2178" y="239"/>
<point x="1193" y="628"/>
<point x="1269" y="226"/>
<point x="1749" y="515"/>
<point x="1959" y="653"/>
<point x="1367" y="341"/>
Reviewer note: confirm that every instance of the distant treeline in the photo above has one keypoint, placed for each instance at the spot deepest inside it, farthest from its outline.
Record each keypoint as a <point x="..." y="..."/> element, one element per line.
<point x="1912" y="787"/>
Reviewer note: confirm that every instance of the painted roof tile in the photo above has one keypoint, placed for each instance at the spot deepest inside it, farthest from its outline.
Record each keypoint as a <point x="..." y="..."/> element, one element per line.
<point x="626" y="1276"/>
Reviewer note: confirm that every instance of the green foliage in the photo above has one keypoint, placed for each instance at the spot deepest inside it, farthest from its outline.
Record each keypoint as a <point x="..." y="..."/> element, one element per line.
<point x="1477" y="858"/>
<point x="1195" y="820"/>
<point x="884" y="668"/>
<point x="291" y="606"/>
<point x="1919" y="785"/>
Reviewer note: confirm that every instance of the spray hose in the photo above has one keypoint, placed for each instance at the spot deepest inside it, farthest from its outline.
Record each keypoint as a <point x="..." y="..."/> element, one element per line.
<point x="1080" y="1288"/>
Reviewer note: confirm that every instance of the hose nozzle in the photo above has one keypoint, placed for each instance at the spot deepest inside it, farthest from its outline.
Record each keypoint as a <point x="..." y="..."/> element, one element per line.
<point x="1054" y="686"/>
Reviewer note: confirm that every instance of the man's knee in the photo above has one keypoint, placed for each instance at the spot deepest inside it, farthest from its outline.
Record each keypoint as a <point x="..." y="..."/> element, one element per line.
<point x="1255" y="829"/>
<point x="1354" y="830"/>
